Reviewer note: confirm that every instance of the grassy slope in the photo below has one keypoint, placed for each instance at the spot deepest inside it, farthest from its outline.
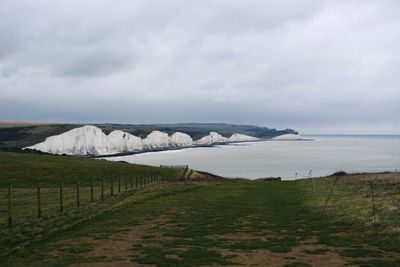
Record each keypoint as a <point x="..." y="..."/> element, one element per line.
<point x="19" y="136"/>
<point x="24" y="170"/>
<point x="22" y="135"/>
<point x="238" y="222"/>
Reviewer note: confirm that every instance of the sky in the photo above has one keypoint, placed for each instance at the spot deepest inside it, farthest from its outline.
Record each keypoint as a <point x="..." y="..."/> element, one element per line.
<point x="313" y="66"/>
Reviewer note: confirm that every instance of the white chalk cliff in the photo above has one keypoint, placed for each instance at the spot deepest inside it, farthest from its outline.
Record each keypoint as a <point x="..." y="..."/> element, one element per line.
<point x="287" y="137"/>
<point x="242" y="138"/>
<point x="87" y="140"/>
<point x="179" y="139"/>
<point x="212" y="138"/>
<point x="124" y="142"/>
<point x="90" y="140"/>
<point x="156" y="140"/>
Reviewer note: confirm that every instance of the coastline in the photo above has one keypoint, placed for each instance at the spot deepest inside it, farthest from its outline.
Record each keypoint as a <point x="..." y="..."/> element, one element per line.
<point x="264" y="158"/>
<point x="194" y="146"/>
<point x="170" y="149"/>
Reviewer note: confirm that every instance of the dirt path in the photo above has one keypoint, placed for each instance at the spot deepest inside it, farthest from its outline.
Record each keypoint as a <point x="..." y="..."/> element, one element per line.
<point x="118" y="249"/>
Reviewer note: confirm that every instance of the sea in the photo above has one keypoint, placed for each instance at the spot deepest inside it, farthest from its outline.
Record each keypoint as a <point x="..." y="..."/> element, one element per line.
<point x="319" y="156"/>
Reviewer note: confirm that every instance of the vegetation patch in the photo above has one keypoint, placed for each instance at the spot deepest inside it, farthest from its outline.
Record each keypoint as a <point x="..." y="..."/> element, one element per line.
<point x="360" y="252"/>
<point x="318" y="251"/>
<point x="297" y="264"/>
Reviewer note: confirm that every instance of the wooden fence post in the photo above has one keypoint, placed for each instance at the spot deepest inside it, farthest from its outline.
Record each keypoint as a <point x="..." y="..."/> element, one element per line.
<point x="61" y="196"/>
<point x="39" y="208"/>
<point x="112" y="186"/>
<point x="371" y="186"/>
<point x="119" y="184"/>
<point x="136" y="181"/>
<point x="131" y="182"/>
<point x="126" y="184"/>
<point x="102" y="188"/>
<point x="91" y="189"/>
<point x="77" y="194"/>
<point x="10" y="197"/>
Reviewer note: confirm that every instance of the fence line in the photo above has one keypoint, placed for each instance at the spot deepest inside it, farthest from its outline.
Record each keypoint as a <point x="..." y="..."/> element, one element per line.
<point x="140" y="181"/>
<point x="39" y="207"/>
<point x="78" y="202"/>
<point x="61" y="196"/>
<point x="365" y="200"/>
<point x="375" y="225"/>
<point x="91" y="189"/>
<point x="10" y="205"/>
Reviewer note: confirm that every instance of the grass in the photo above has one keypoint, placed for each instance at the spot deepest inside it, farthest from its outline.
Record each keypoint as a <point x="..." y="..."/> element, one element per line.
<point x="360" y="252"/>
<point x="26" y="134"/>
<point x="377" y="263"/>
<point x="351" y="200"/>
<point x="317" y="251"/>
<point x="297" y="264"/>
<point x="205" y="223"/>
<point x="202" y="220"/>
<point x="24" y="171"/>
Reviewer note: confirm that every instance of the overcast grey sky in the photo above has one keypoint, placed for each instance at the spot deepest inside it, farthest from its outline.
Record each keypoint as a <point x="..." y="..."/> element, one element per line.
<point x="315" y="66"/>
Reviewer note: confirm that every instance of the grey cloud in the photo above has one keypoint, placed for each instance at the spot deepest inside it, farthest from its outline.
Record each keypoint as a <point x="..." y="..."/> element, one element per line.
<point x="304" y="64"/>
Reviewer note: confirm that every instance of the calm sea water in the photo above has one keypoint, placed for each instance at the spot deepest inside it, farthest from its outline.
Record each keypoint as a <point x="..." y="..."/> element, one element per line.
<point x="324" y="155"/>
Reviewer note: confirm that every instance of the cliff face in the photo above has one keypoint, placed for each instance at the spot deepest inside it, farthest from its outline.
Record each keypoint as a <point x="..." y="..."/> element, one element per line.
<point x="86" y="140"/>
<point x="90" y="140"/>
<point x="287" y="137"/>
<point x="179" y="139"/>
<point x="156" y="140"/>
<point x="124" y="142"/>
<point x="242" y="138"/>
<point x="212" y="138"/>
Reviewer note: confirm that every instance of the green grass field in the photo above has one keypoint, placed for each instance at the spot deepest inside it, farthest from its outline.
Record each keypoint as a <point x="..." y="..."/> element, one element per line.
<point x="24" y="171"/>
<point x="234" y="223"/>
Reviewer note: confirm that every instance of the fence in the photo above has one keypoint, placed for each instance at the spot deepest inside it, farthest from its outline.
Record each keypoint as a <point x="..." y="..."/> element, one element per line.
<point x="50" y="197"/>
<point x="365" y="199"/>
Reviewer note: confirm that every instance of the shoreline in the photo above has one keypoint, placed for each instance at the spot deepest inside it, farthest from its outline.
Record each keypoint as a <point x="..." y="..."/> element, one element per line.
<point x="168" y="149"/>
<point x="194" y="146"/>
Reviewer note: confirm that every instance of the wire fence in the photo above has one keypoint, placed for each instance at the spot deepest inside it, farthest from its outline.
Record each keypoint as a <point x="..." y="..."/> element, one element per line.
<point x="363" y="199"/>
<point x="44" y="198"/>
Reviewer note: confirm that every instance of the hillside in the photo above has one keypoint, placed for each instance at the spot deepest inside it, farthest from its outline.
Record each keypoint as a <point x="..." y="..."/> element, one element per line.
<point x="327" y="222"/>
<point x="19" y="135"/>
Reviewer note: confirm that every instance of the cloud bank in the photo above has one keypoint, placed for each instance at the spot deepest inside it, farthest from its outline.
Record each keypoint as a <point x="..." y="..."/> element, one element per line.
<point x="316" y="66"/>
